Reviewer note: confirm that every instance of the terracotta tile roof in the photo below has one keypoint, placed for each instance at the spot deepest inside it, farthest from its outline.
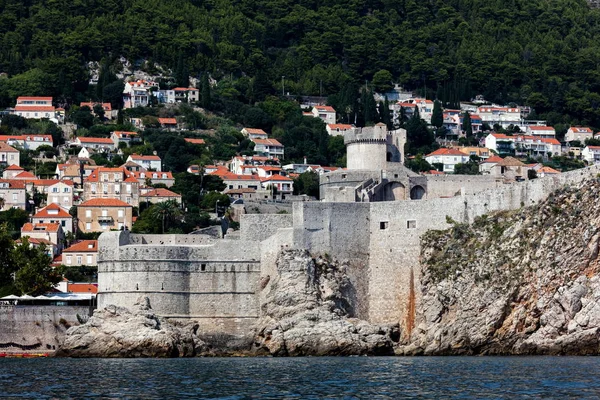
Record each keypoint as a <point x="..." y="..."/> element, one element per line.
<point x="446" y="152"/>
<point x="25" y="175"/>
<point x="8" y="149"/>
<point x="104" y="203"/>
<point x="268" y="142"/>
<point x="493" y="159"/>
<point x="548" y="170"/>
<point x="27" y="138"/>
<point x="82" y="288"/>
<point x="14" y="167"/>
<point x="594" y="148"/>
<point x="580" y="129"/>
<point x="550" y="141"/>
<point x="255" y="131"/>
<point x="37" y="227"/>
<point x="510" y="162"/>
<point x="230" y="176"/>
<point x="28" y="107"/>
<point x="36" y="98"/>
<point x="276" y="178"/>
<point x="35" y="241"/>
<point x="52" y="210"/>
<point x="14" y="184"/>
<point x="167" y="121"/>
<point x="184" y="89"/>
<point x="124" y="133"/>
<point x="145" y="158"/>
<point x="341" y="127"/>
<point x="195" y="141"/>
<point x="98" y="140"/>
<point x="105" y="106"/>
<point x="161" y="192"/>
<point x="325" y="108"/>
<point x="541" y="128"/>
<point x="150" y="174"/>
<point x="434" y="172"/>
<point x="266" y="167"/>
<point x="85" y="246"/>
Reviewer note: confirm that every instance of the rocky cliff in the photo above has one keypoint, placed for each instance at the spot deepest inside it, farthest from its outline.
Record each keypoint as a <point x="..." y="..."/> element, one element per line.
<point x="520" y="282"/>
<point x="306" y="312"/>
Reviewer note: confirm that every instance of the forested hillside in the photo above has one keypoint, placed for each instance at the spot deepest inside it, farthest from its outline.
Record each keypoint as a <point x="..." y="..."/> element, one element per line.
<point x="544" y="53"/>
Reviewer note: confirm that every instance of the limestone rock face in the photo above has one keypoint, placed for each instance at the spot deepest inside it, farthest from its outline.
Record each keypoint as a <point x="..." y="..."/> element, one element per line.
<point x="306" y="313"/>
<point x="522" y="282"/>
<point x="120" y="332"/>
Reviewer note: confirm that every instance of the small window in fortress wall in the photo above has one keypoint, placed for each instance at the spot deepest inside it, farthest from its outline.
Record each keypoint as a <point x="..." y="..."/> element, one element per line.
<point x="383" y="225"/>
<point x="203" y="267"/>
<point x="411" y="224"/>
<point x="344" y="176"/>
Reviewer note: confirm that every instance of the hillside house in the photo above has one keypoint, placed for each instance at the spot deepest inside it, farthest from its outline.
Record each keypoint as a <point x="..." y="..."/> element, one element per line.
<point x="13" y="194"/>
<point x="99" y="144"/>
<point x="448" y="158"/>
<point x="168" y="123"/>
<point x="100" y="215"/>
<point x="153" y="162"/>
<point x="591" y="154"/>
<point x="579" y="133"/>
<point x="338" y="129"/>
<point x="52" y="232"/>
<point x="81" y="253"/>
<point x="35" y="108"/>
<point x="112" y="183"/>
<point x="159" y="195"/>
<point x="54" y="214"/>
<point x="326" y="113"/>
<point x="106" y="107"/>
<point x="9" y="155"/>
<point x="269" y="148"/>
<point x="28" y="141"/>
<point x="138" y="93"/>
<point x="129" y="138"/>
<point x="541" y="132"/>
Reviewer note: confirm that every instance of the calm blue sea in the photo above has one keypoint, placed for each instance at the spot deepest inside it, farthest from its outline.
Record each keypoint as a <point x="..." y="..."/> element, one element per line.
<point x="305" y="378"/>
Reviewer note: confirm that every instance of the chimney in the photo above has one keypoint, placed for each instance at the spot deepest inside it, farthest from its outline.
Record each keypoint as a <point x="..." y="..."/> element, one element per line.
<point x="304" y="159"/>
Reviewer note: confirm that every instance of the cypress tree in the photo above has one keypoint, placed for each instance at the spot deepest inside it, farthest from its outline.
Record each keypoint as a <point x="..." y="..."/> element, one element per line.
<point x="437" y="116"/>
<point x="467" y="127"/>
<point x="205" y="99"/>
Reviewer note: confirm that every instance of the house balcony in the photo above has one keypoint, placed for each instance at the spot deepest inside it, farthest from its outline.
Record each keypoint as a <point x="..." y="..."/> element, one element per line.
<point x="105" y="218"/>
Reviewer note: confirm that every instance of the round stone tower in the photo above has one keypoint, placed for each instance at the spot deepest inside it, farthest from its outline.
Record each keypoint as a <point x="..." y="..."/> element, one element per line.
<point x="371" y="148"/>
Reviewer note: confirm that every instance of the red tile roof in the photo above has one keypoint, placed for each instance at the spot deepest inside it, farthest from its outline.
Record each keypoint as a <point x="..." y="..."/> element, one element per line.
<point x="8" y="149"/>
<point x="25" y="175"/>
<point x="36" y="227"/>
<point x="493" y="159"/>
<point x="325" y="108"/>
<point x="161" y="192"/>
<point x="27" y="107"/>
<point x="104" y="203"/>
<point x="124" y="133"/>
<point x="105" y="106"/>
<point x="255" y="131"/>
<point x="195" y="141"/>
<point x="14" y="184"/>
<point x="95" y="140"/>
<point x="57" y="212"/>
<point x="146" y="158"/>
<point x="268" y="142"/>
<point x="83" y="247"/>
<point x="82" y="287"/>
<point x="28" y="98"/>
<point x="276" y="178"/>
<point x="341" y="127"/>
<point x="14" y="167"/>
<point x="541" y="128"/>
<point x="447" y="152"/>
<point x="167" y="121"/>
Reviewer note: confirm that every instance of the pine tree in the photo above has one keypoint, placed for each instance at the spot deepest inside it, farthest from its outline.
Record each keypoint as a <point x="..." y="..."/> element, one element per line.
<point x="437" y="116"/>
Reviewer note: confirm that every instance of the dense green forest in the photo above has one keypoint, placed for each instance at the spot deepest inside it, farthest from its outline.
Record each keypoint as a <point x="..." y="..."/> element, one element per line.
<point x="544" y="53"/>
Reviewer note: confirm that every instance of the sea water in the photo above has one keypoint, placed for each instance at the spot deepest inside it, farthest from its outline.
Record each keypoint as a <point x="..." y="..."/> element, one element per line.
<point x="302" y="378"/>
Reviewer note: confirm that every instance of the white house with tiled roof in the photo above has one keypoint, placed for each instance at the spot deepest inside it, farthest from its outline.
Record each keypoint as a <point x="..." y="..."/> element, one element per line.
<point x="9" y="155"/>
<point x="448" y="157"/>
<point x="127" y="137"/>
<point x="27" y="141"/>
<point x="13" y="194"/>
<point x="55" y="214"/>
<point x="11" y="171"/>
<point x="591" y="154"/>
<point x="152" y="162"/>
<point x="268" y="148"/>
<point x="254" y="133"/>
<point x="282" y="184"/>
<point x="84" y="252"/>
<point x="542" y="132"/>
<point x="326" y="113"/>
<point x="52" y="232"/>
<point x="338" y="129"/>
<point x="579" y="133"/>
<point x="159" y="195"/>
<point x="35" y="107"/>
<point x="138" y="93"/>
<point x="95" y="143"/>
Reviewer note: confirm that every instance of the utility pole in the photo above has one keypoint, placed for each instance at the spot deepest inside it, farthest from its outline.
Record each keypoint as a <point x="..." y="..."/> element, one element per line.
<point x="282" y="86"/>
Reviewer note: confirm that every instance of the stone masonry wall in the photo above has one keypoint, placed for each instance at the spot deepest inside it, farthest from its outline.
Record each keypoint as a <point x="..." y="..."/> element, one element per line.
<point x="37" y="329"/>
<point x="215" y="285"/>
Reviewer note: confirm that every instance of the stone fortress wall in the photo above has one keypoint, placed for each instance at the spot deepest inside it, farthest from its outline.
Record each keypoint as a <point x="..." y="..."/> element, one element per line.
<point x="221" y="283"/>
